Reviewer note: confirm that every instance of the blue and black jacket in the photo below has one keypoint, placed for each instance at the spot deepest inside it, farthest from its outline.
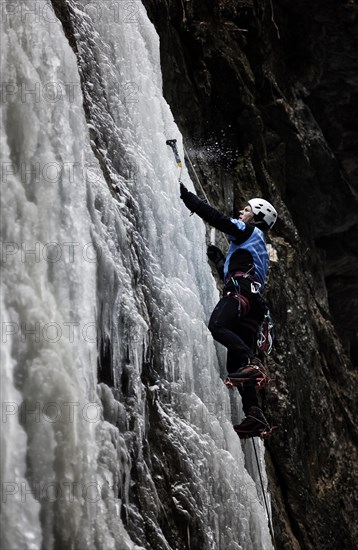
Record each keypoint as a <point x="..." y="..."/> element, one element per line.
<point x="247" y="251"/>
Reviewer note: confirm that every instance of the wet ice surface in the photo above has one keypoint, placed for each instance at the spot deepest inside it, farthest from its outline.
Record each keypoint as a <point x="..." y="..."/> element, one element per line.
<point x="81" y="464"/>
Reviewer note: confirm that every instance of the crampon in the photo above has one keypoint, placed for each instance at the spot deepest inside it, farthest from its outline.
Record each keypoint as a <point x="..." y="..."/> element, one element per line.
<point x="264" y="433"/>
<point x="251" y="375"/>
<point x="254" y="425"/>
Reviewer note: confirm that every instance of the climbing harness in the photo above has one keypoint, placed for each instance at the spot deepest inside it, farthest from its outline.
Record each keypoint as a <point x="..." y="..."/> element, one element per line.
<point x="243" y="303"/>
<point x="263" y="492"/>
<point x="245" y="275"/>
<point x="265" y="332"/>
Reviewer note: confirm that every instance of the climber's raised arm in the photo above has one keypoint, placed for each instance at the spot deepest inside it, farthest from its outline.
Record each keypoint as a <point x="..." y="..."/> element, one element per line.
<point x="211" y="215"/>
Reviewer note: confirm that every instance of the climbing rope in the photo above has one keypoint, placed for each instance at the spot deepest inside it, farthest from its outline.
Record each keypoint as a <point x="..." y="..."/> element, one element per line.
<point x="173" y="144"/>
<point x="263" y="492"/>
<point x="212" y="230"/>
<point x="195" y="174"/>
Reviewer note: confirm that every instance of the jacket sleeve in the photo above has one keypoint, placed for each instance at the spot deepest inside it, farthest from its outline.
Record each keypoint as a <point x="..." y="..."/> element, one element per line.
<point x="209" y="214"/>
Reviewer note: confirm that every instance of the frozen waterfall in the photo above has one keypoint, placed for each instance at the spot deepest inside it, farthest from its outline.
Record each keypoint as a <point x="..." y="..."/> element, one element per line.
<point x="103" y="269"/>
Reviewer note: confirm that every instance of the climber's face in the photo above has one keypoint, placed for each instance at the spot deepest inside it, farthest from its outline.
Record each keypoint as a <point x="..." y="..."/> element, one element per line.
<point x="246" y="215"/>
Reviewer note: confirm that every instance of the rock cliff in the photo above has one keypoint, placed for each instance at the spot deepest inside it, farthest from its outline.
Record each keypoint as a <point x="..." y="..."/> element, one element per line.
<point x="265" y="94"/>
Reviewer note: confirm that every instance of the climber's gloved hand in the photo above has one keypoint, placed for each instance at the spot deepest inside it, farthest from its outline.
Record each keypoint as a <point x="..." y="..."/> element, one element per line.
<point x="214" y="253"/>
<point x="191" y="201"/>
<point x="183" y="191"/>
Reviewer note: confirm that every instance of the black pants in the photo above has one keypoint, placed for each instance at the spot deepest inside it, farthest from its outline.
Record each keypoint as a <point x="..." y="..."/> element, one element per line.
<point x="234" y="324"/>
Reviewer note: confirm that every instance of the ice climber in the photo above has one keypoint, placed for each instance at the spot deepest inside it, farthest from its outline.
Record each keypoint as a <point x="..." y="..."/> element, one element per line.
<point x="237" y="316"/>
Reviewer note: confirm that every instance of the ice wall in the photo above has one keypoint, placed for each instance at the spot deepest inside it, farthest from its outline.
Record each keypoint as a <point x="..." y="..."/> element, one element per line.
<point x="101" y="263"/>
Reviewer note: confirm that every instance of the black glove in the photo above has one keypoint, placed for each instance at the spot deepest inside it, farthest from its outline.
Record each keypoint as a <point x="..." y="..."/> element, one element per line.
<point x="214" y="254"/>
<point x="190" y="200"/>
<point x="183" y="191"/>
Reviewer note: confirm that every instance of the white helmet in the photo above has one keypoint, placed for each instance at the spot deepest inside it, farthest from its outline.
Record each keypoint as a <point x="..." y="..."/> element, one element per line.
<point x="263" y="211"/>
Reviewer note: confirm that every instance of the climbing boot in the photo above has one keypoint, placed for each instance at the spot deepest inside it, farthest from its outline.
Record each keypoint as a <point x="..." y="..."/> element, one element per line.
<point x="254" y="373"/>
<point x="254" y="425"/>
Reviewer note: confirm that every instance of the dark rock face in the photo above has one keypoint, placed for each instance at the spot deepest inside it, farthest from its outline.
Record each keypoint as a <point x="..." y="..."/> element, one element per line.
<point x="266" y="97"/>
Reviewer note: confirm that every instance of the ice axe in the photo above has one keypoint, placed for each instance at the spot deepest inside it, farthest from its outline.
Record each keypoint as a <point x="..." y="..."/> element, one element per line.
<point x="173" y="144"/>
